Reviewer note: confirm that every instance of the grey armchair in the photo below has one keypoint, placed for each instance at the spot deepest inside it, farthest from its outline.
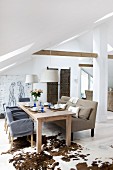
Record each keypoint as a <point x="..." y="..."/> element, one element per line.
<point x="16" y="111"/>
<point x="19" y="128"/>
<point x="17" y="114"/>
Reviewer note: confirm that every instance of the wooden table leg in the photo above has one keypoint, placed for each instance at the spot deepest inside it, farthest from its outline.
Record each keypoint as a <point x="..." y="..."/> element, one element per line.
<point x="68" y="130"/>
<point x="39" y="135"/>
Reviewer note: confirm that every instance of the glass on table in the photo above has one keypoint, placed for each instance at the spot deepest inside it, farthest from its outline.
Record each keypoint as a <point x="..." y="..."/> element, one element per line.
<point x="49" y="105"/>
<point x="42" y="108"/>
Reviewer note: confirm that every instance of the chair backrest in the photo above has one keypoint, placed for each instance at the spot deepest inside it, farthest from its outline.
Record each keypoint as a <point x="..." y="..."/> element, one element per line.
<point x="89" y="94"/>
<point x="26" y="99"/>
<point x="110" y="101"/>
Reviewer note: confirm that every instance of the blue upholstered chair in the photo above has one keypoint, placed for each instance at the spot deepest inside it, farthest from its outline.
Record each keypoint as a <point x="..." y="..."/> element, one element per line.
<point x="19" y="128"/>
<point x="17" y="114"/>
<point x="26" y="99"/>
<point x="16" y="111"/>
<point x="18" y="122"/>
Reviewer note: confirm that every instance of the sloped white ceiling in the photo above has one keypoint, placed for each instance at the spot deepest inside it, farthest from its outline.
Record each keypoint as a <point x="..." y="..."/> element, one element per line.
<point x="46" y="22"/>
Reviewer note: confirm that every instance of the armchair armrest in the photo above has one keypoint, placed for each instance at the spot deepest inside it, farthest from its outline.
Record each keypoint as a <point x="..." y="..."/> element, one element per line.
<point x="9" y="117"/>
<point x="18" y="110"/>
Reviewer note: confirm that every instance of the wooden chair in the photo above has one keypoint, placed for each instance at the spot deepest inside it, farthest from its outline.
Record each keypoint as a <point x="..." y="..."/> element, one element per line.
<point x="89" y="94"/>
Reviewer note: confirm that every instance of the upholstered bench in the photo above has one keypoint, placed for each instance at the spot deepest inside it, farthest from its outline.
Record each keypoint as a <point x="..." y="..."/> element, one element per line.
<point x="86" y="116"/>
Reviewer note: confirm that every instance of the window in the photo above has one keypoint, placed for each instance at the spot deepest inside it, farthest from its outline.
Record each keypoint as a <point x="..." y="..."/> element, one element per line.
<point x="86" y="82"/>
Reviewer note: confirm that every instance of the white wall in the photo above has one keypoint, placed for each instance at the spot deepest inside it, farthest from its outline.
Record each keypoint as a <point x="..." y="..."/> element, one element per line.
<point x="24" y="68"/>
<point x="41" y="63"/>
<point x="37" y="65"/>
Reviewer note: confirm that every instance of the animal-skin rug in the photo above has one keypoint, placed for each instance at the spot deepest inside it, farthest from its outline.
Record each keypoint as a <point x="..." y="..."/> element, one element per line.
<point x="53" y="152"/>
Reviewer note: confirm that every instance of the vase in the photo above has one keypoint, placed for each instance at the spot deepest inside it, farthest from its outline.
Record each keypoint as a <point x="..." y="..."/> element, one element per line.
<point x="35" y="102"/>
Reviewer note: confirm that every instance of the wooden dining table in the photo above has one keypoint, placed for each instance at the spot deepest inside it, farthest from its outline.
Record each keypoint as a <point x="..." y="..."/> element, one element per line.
<point x="47" y="116"/>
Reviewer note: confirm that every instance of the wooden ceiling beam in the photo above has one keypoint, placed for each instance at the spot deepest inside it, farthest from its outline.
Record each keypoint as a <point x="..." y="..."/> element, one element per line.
<point x="110" y="56"/>
<point x="66" y="53"/>
<point x="85" y="65"/>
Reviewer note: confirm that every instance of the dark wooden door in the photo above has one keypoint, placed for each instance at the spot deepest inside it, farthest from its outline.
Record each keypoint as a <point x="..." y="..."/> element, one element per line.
<point x="65" y="82"/>
<point x="52" y="92"/>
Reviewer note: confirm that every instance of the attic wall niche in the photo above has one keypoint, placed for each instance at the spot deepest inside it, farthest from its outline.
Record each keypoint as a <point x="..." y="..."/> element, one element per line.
<point x="110" y="72"/>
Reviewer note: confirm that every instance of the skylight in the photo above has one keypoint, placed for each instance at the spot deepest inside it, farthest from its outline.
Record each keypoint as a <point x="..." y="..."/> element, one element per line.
<point x="4" y="68"/>
<point x="76" y="36"/>
<point x="105" y="17"/>
<point x="16" y="52"/>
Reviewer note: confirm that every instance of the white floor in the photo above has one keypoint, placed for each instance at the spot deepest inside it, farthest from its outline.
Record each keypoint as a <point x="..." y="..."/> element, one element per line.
<point x="98" y="147"/>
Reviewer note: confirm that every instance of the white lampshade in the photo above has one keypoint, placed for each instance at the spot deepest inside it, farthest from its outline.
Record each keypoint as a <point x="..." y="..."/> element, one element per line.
<point x="49" y="76"/>
<point x="31" y="78"/>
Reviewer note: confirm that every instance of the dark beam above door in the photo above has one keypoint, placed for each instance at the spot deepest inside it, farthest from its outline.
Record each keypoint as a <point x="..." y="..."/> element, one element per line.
<point x="85" y="65"/>
<point x="110" y="56"/>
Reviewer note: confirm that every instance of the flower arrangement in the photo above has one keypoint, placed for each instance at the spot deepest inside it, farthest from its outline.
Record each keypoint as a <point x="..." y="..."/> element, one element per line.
<point x="36" y="93"/>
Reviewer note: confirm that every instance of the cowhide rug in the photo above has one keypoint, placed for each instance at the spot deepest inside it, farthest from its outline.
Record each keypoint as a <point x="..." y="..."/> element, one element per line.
<point x="53" y="147"/>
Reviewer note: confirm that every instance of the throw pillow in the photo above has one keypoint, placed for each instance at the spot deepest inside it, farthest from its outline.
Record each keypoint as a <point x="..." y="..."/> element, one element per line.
<point x="74" y="110"/>
<point x="70" y="108"/>
<point x="68" y="104"/>
<point x="84" y="112"/>
<point x="73" y="99"/>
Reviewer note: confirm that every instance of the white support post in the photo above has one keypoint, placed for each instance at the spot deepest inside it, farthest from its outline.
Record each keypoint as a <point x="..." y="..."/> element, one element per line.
<point x="100" y="71"/>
